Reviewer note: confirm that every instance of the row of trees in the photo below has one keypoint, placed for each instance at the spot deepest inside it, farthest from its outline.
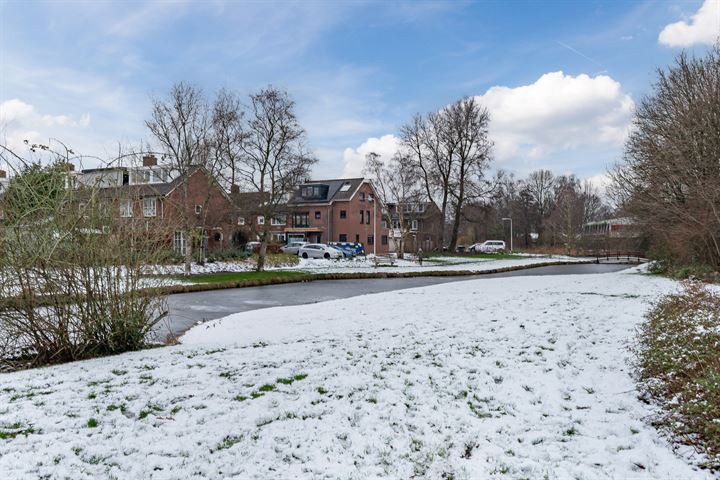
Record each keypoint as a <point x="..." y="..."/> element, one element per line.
<point x="257" y="144"/>
<point x="446" y="155"/>
<point x="670" y="177"/>
<point x="546" y="209"/>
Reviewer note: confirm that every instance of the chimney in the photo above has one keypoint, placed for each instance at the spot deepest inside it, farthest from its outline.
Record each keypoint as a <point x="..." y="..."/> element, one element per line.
<point x="149" y="161"/>
<point x="234" y="189"/>
<point x="3" y="174"/>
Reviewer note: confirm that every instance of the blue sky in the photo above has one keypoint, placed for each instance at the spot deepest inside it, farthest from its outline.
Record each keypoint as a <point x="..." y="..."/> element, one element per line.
<point x="85" y="71"/>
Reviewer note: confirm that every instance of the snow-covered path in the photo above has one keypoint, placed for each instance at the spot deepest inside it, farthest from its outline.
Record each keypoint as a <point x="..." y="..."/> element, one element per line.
<point x="522" y="377"/>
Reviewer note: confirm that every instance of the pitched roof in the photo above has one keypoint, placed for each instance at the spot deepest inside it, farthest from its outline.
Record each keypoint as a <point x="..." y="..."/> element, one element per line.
<point x="339" y="189"/>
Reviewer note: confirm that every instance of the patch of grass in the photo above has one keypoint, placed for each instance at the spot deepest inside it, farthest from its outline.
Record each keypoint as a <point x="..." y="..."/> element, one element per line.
<point x="225" y="277"/>
<point x="229" y="441"/>
<point x="240" y="398"/>
<point x="8" y="432"/>
<point x="152" y="408"/>
<point x="119" y="372"/>
<point x="570" y="432"/>
<point x="268" y="387"/>
<point x="679" y="366"/>
<point x="322" y="391"/>
<point x="255" y="395"/>
<point x="92" y="423"/>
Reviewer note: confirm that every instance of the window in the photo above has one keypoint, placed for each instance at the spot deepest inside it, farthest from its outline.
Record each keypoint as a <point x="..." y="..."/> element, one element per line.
<point x="278" y="220"/>
<point x="241" y="220"/>
<point x="278" y="237"/>
<point x="343" y="237"/>
<point x="179" y="243"/>
<point x="357" y="238"/>
<point x="345" y="187"/>
<point x="362" y="196"/>
<point x="260" y="220"/>
<point x="149" y="207"/>
<point x="383" y="224"/>
<point x="343" y="214"/>
<point x="362" y="216"/>
<point x="140" y="176"/>
<point x="198" y="209"/>
<point x="371" y="240"/>
<point x="421" y="207"/>
<point x="317" y="215"/>
<point x="371" y="197"/>
<point x="218" y="236"/>
<point x="414" y="225"/>
<point x="367" y="217"/>
<point x="301" y="219"/>
<point x="126" y="208"/>
<point x="384" y="240"/>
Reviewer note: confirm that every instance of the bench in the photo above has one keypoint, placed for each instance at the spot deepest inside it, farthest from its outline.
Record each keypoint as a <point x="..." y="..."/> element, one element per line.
<point x="383" y="260"/>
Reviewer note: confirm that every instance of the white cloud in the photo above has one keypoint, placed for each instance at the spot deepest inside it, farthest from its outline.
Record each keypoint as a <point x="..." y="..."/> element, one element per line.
<point x="702" y="27"/>
<point x="20" y="121"/>
<point x="354" y="158"/>
<point x="557" y="112"/>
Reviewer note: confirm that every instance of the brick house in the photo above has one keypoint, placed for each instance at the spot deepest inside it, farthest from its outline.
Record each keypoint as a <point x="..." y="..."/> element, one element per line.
<point x="158" y="201"/>
<point x="251" y="220"/>
<point x="339" y="210"/>
<point x="422" y="222"/>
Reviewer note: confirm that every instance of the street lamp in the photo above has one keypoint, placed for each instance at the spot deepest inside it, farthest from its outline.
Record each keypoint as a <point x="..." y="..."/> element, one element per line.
<point x="511" y="233"/>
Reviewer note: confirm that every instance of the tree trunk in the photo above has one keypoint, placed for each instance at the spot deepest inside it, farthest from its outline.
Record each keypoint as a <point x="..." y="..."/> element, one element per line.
<point x="188" y="253"/>
<point x="262" y="253"/>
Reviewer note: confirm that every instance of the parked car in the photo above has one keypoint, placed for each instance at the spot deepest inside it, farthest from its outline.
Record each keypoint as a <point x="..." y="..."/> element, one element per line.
<point x="319" y="250"/>
<point x="488" y="246"/>
<point x="293" y="247"/>
<point x="349" y="249"/>
<point x="252" y="247"/>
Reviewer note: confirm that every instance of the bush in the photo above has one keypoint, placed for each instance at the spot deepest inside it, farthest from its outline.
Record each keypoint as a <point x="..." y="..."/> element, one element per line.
<point x="71" y="273"/>
<point x="227" y="255"/>
<point x="280" y="259"/>
<point x="679" y="366"/>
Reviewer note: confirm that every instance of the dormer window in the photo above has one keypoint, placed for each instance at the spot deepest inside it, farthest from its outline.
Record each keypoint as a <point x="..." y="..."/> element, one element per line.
<point x="314" y="191"/>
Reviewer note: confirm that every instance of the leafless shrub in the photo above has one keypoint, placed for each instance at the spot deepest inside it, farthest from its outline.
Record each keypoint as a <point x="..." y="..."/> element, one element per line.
<point x="70" y="272"/>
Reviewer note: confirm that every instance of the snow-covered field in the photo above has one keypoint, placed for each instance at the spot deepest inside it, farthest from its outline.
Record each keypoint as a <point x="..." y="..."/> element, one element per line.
<point x="366" y="264"/>
<point x="523" y="377"/>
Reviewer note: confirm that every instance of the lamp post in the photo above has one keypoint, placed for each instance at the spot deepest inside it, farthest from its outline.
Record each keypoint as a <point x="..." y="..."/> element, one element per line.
<point x="511" y="233"/>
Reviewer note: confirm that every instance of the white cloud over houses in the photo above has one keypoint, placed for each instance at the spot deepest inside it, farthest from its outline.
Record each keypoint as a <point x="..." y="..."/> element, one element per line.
<point x="354" y="158"/>
<point x="20" y="121"/>
<point x="702" y="27"/>
<point x="557" y="112"/>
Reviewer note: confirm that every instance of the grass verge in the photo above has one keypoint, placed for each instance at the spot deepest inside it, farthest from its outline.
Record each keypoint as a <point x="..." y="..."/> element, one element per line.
<point x="482" y="256"/>
<point x="679" y="367"/>
<point x="223" y="277"/>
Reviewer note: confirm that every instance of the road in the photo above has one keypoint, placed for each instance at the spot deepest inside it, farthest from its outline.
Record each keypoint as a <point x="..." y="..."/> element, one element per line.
<point x="187" y="309"/>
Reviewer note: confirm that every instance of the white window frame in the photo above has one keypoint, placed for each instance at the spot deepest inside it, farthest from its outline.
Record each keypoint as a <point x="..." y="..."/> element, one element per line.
<point x="279" y="237"/>
<point x="261" y="220"/>
<point x="241" y="221"/>
<point x="198" y="209"/>
<point x="126" y="208"/>
<point x="278" y="220"/>
<point x="179" y="243"/>
<point x="149" y="209"/>
<point x="413" y="225"/>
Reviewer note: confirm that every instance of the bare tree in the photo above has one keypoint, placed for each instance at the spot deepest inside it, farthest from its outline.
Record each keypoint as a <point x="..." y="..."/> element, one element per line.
<point x="398" y="184"/>
<point x="228" y="134"/>
<point x="468" y="125"/>
<point x="182" y="125"/>
<point x="670" y="179"/>
<point x="275" y="157"/>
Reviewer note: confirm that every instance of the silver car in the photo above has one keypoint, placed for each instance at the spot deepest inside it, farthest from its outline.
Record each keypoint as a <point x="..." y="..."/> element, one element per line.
<point x="319" y="250"/>
<point x="293" y="247"/>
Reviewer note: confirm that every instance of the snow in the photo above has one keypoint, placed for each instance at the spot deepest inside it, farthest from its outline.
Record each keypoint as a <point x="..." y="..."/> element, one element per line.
<point x="521" y="377"/>
<point x="435" y="264"/>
